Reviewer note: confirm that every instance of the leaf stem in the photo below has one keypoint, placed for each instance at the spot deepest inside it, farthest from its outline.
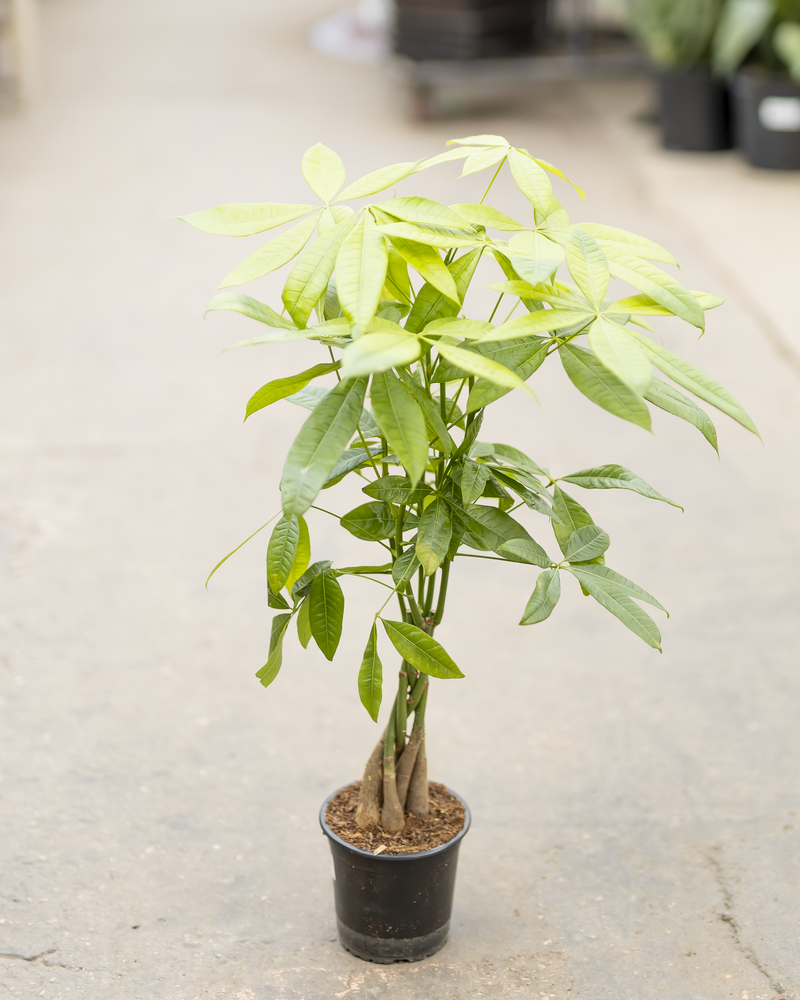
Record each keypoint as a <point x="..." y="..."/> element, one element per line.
<point x="494" y="178"/>
<point x="439" y="614"/>
<point x="496" y="306"/>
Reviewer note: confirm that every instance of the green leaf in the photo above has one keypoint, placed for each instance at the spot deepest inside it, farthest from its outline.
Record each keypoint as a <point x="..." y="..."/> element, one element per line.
<point x="618" y="351"/>
<point x="524" y="550"/>
<point x="370" y="522"/>
<point x="535" y="258"/>
<point x="361" y="271"/>
<point x="587" y="543"/>
<point x="630" y="242"/>
<point x="281" y="551"/>
<point x="245" y="219"/>
<point x="597" y="383"/>
<point x="481" y="159"/>
<point x="378" y="180"/>
<point x="423" y="210"/>
<point x="323" y="171"/>
<point x="489" y="218"/>
<point x="431" y="304"/>
<point x="523" y="357"/>
<point x="532" y="181"/>
<point x="615" y="477"/>
<point x="302" y="584"/>
<point x="427" y="262"/>
<point x="433" y="417"/>
<point x="308" y="280"/>
<point x="404" y="568"/>
<point x="351" y="459"/>
<point x="269" y="671"/>
<point x="691" y="378"/>
<point x="541" y="321"/>
<point x="321" y="441"/>
<point x="402" y="423"/>
<point x="326" y="612"/>
<point x="421" y="650"/>
<point x="517" y="458"/>
<point x="363" y="570"/>
<point x="397" y="489"/>
<point x="304" y="624"/>
<point x="588" y="266"/>
<point x="280" y="388"/>
<point x="474" y="477"/>
<point x="277" y="601"/>
<point x="741" y="25"/>
<point x="234" y="551"/>
<point x="544" y="598"/>
<point x="503" y="535"/>
<point x="272" y="255"/>
<point x="247" y="306"/>
<point x="533" y="497"/>
<point x="370" y="676"/>
<point x="616" y="594"/>
<point x="483" y="367"/>
<point x="302" y="556"/>
<point x="397" y="283"/>
<point x="571" y="518"/>
<point x="332" y="216"/>
<point x="479" y="140"/>
<point x="433" y="236"/>
<point x="433" y="537"/>
<point x="659" y="285"/>
<point x="376" y="352"/>
<point x="666" y="397"/>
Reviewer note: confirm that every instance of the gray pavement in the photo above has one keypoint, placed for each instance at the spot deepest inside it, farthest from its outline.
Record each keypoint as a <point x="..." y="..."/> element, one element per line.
<point x="636" y="818"/>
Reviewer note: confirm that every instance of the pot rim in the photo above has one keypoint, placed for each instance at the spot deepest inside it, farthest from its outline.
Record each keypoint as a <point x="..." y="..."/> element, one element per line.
<point x="407" y="856"/>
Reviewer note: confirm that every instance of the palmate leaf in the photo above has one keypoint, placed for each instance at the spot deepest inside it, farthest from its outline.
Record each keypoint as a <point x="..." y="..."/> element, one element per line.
<point x="281" y="551"/>
<point x="280" y="388"/>
<point x="361" y="271"/>
<point x="302" y="556"/>
<point x="426" y="261"/>
<point x="597" y="383"/>
<point x="323" y="171"/>
<point x="433" y="535"/>
<point x="474" y="477"/>
<point x="604" y="586"/>
<point x="404" y="569"/>
<point x="302" y="585"/>
<point x="522" y="357"/>
<point x="377" y="352"/>
<point x="272" y="255"/>
<point x="396" y="489"/>
<point x="481" y="366"/>
<point x="523" y="485"/>
<point x="431" y="303"/>
<point x="322" y="439"/>
<point x="308" y="280"/>
<point x="247" y="306"/>
<point x="349" y="461"/>
<point x="488" y="217"/>
<point x="657" y="284"/>
<point x="370" y="522"/>
<point x="432" y="236"/>
<point x="615" y="477"/>
<point x="421" y="650"/>
<point x="666" y="397"/>
<point x="332" y="216"/>
<point x="531" y="179"/>
<point x="697" y="382"/>
<point x="402" y="423"/>
<point x="617" y="351"/>
<point x="630" y="242"/>
<point x="370" y="676"/>
<point x="326" y="612"/>
<point x="541" y="321"/>
<point x="480" y="159"/>
<point x="503" y="535"/>
<point x="588" y="266"/>
<point x="378" y="180"/>
<point x="587" y="543"/>
<point x="433" y="417"/>
<point x="534" y="257"/>
<point x="303" y="624"/>
<point x="571" y="518"/>
<point x="269" y="671"/>
<point x="423" y="210"/>
<point x="544" y="598"/>
<point x="397" y="283"/>
<point x="245" y="219"/>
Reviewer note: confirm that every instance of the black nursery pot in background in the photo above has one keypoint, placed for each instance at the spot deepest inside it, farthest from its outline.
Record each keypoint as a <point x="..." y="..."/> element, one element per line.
<point x="393" y="907"/>
<point x="694" y="111"/>
<point x="767" y="120"/>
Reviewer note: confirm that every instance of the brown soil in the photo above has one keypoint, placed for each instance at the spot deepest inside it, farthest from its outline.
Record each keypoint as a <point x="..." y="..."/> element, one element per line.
<point x="444" y="821"/>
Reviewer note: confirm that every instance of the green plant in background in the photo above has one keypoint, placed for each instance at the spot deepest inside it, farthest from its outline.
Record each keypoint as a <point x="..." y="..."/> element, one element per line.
<point x="411" y="372"/>
<point x="677" y="34"/>
<point x="767" y="28"/>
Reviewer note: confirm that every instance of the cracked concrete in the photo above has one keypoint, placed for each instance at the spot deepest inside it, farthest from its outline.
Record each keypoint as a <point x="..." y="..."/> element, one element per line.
<point x="636" y="818"/>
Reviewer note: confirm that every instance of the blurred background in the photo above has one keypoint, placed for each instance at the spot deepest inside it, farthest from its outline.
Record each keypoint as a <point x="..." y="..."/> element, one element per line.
<point x="636" y="816"/>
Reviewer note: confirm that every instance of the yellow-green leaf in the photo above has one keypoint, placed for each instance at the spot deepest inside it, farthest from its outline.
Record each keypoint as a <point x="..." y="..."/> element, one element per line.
<point x="272" y="255"/>
<point x="376" y="352"/>
<point x="361" y="271"/>
<point x="323" y="171"/>
<point x="378" y="180"/>
<point x="588" y="266"/>
<point x="308" y="280"/>
<point x="402" y="423"/>
<point x="618" y="351"/>
<point x="245" y="219"/>
<point x="427" y="262"/>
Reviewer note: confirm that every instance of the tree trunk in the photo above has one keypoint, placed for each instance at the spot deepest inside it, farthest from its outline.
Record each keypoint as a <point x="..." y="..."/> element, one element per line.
<point x="368" y="811"/>
<point x="407" y="762"/>
<point x="417" y="802"/>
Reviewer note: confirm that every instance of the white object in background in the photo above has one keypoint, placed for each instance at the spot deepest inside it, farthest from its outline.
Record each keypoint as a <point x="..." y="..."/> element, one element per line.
<point x="356" y="34"/>
<point x="780" y="114"/>
<point x="19" y="33"/>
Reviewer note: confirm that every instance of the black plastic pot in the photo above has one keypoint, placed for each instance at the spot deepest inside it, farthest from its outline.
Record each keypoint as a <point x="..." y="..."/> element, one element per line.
<point x="694" y="110"/>
<point x="393" y="907"/>
<point x="767" y="120"/>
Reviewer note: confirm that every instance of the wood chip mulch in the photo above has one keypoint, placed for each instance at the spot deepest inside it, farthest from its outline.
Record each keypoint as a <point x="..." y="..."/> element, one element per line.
<point x="445" y="820"/>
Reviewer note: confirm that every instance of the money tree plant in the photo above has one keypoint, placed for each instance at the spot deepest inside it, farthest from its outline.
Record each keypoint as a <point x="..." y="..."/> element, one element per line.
<point x="379" y="288"/>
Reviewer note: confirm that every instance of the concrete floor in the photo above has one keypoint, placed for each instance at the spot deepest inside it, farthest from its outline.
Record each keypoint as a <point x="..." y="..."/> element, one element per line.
<point x="636" y="818"/>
